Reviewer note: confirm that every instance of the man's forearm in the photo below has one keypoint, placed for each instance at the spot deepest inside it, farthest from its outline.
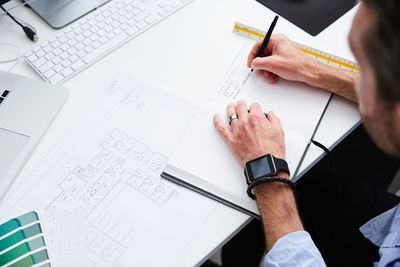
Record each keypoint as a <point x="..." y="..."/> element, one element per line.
<point x="334" y="80"/>
<point x="278" y="210"/>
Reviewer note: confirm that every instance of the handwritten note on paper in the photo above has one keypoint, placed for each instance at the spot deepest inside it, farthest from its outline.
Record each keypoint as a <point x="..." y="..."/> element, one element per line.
<point x="298" y="106"/>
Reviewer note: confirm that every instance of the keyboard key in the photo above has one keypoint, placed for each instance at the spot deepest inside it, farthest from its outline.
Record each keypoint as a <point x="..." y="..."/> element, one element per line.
<point x="141" y="25"/>
<point x="136" y="11"/>
<point x="40" y="53"/>
<point x="48" y="74"/>
<point x="57" y="51"/>
<point x="110" y="35"/>
<point x="5" y="93"/>
<point x="78" y="31"/>
<point x="96" y="44"/>
<point x="48" y="48"/>
<point x="117" y="31"/>
<point x="56" y="60"/>
<point x="78" y="65"/>
<point x="71" y="35"/>
<point x="56" y="78"/>
<point x="79" y="46"/>
<point x="102" y="24"/>
<point x="44" y="44"/>
<point x="64" y="47"/>
<point x="124" y="26"/>
<point x="49" y="56"/>
<point x="73" y="58"/>
<point x="46" y="66"/>
<point x="32" y="58"/>
<point x="87" y="33"/>
<point x="40" y="62"/>
<point x="72" y="42"/>
<point x="55" y="44"/>
<point x="150" y="19"/>
<point x="88" y="49"/>
<point x="132" y="31"/>
<point x="63" y="39"/>
<point x="66" y="63"/>
<point x="82" y="53"/>
<point x="141" y="16"/>
<point x="64" y="55"/>
<point x="66" y="72"/>
<point x="58" y="68"/>
<point x="94" y="37"/>
<point x="103" y="40"/>
<point x="87" y="42"/>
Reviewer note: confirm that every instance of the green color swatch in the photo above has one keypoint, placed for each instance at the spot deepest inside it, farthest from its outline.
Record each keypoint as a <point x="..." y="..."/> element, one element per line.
<point x="19" y="236"/>
<point x="33" y="259"/>
<point x="20" y="250"/>
<point x="22" y="220"/>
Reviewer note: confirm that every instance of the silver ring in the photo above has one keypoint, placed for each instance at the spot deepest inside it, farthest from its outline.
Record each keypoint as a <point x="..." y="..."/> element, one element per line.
<point x="232" y="117"/>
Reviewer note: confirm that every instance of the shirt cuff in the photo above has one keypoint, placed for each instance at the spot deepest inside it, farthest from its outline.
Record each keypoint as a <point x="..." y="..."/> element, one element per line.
<point x="294" y="249"/>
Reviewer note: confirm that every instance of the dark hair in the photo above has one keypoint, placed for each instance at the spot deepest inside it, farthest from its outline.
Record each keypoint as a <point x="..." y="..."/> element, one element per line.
<point x="382" y="47"/>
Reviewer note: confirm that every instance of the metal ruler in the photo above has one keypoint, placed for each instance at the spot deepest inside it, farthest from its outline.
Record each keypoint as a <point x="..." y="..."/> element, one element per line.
<point x="318" y="55"/>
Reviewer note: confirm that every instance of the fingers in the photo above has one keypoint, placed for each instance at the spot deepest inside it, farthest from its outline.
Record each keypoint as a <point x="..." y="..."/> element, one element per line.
<point x="241" y="110"/>
<point x="225" y="133"/>
<point x="230" y="110"/>
<point x="273" y="118"/>
<point x="269" y="64"/>
<point x="253" y="53"/>
<point x="272" y="44"/>
<point x="272" y="78"/>
<point x="255" y="108"/>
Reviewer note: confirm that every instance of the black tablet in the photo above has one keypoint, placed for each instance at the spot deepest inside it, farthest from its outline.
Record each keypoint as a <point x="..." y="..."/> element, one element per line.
<point x="313" y="16"/>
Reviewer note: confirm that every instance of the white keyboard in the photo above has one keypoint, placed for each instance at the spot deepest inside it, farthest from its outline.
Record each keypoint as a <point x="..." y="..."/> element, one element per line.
<point x="94" y="36"/>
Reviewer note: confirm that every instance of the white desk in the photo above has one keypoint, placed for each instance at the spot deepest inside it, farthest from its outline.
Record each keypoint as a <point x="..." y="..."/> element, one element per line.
<point x="187" y="54"/>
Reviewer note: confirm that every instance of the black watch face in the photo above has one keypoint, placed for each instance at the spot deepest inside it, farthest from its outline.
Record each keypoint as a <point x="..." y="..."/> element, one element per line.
<point x="260" y="168"/>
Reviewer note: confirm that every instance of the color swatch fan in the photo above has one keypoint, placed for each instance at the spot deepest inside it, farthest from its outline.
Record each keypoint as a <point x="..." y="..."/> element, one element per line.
<point x="22" y="242"/>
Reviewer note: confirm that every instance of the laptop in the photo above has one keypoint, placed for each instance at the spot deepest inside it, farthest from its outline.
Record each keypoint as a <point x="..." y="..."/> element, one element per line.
<point x="27" y="108"/>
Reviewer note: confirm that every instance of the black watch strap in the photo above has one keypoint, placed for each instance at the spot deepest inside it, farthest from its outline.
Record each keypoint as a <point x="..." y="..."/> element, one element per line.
<point x="267" y="180"/>
<point x="281" y="165"/>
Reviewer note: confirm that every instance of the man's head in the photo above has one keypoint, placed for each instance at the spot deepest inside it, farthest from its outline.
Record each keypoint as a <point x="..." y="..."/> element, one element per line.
<point x="375" y="41"/>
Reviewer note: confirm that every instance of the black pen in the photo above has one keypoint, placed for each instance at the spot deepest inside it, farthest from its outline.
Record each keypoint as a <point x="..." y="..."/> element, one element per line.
<point x="266" y="39"/>
<point x="263" y="45"/>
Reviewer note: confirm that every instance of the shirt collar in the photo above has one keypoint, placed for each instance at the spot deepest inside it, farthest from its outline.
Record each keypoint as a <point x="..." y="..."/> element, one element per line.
<point x="377" y="229"/>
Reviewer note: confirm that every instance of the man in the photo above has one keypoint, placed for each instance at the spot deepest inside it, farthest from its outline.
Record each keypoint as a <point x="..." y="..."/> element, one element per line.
<point x="339" y="214"/>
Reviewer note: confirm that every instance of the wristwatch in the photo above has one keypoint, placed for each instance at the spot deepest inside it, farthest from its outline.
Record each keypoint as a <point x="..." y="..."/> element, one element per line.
<point x="265" y="166"/>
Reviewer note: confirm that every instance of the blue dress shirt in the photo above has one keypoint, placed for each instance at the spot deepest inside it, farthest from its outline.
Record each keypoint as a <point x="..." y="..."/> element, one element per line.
<point x="298" y="249"/>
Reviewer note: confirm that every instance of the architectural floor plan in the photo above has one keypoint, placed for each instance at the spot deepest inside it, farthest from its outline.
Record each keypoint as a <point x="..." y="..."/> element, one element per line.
<point x="109" y="164"/>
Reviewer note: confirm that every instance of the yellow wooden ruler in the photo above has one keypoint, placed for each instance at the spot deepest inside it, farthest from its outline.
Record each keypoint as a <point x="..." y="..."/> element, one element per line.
<point x="316" y="54"/>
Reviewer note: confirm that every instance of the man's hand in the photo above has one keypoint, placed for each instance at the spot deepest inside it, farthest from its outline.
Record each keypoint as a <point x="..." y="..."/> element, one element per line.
<point x="282" y="58"/>
<point x="253" y="134"/>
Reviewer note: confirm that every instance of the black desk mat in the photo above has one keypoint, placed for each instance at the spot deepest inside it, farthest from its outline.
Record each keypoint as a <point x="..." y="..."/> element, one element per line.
<point x="313" y="16"/>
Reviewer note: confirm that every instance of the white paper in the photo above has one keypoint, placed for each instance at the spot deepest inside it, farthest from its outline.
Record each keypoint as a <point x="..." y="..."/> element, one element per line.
<point x="202" y="157"/>
<point x="110" y="164"/>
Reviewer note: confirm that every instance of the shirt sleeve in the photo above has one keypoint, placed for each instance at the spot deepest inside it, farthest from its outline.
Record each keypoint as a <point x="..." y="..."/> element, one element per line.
<point x="294" y="249"/>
